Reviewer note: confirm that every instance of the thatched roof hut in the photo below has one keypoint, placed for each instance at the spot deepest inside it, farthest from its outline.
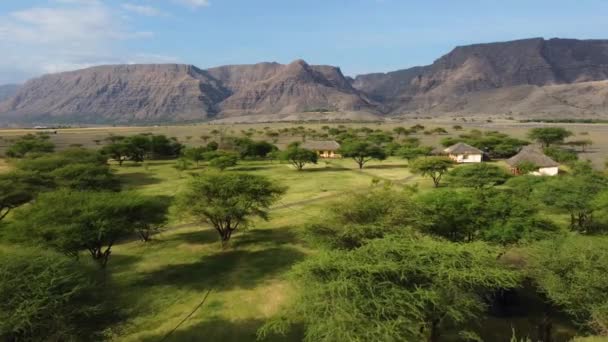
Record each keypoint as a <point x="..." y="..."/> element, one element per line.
<point x="531" y="154"/>
<point x="462" y="148"/>
<point x="321" y="145"/>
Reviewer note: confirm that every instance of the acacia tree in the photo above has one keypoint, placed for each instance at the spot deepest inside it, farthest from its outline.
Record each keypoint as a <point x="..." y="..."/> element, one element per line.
<point x="392" y="289"/>
<point x="434" y="167"/>
<point x="477" y="176"/>
<point x="361" y="151"/>
<point x="571" y="272"/>
<point x="299" y="157"/>
<point x="574" y="194"/>
<point x="410" y="153"/>
<point x="228" y="201"/>
<point x="30" y="143"/>
<point x="73" y="221"/>
<point x="18" y="188"/>
<point x="45" y="296"/>
<point x="548" y="136"/>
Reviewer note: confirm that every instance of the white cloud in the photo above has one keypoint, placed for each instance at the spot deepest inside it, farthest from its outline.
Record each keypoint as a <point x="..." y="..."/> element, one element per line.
<point x="194" y="3"/>
<point x="142" y="10"/>
<point x="66" y="35"/>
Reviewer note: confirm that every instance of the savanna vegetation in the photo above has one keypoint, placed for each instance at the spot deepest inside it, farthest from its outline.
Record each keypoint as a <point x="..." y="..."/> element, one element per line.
<point x="248" y="235"/>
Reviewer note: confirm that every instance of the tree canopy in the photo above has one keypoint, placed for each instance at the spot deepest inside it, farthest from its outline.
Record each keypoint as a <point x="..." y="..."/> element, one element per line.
<point x="548" y="136"/>
<point x="478" y="175"/>
<point x="434" y="167"/>
<point x="228" y="201"/>
<point x="298" y="156"/>
<point x="394" y="288"/>
<point x="74" y="221"/>
<point x="45" y="296"/>
<point x="30" y="144"/>
<point x="361" y="151"/>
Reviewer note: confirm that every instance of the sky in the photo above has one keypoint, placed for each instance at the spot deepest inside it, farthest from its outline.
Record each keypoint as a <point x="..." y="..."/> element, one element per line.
<point x="360" y="36"/>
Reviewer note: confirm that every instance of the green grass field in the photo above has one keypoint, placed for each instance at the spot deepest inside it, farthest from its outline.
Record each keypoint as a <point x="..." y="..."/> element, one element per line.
<point x="163" y="281"/>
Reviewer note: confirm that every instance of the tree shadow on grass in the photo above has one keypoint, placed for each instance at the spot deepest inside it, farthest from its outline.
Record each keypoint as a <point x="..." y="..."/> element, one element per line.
<point x="199" y="237"/>
<point x="267" y="237"/>
<point x="226" y="269"/>
<point x="138" y="179"/>
<point x="217" y="329"/>
<point x="118" y="262"/>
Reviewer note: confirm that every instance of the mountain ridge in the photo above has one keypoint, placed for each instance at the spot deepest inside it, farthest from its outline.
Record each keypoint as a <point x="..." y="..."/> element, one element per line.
<point x="521" y="77"/>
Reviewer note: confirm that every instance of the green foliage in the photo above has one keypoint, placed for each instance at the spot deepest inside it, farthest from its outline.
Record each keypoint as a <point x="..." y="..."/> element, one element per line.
<point x="496" y="145"/>
<point x="434" y="167"/>
<point x="548" y="136"/>
<point x="139" y="147"/>
<point x="574" y="194"/>
<point x="30" y="144"/>
<point x="354" y="221"/>
<point x="526" y="167"/>
<point x="224" y="160"/>
<point x="393" y="289"/>
<point x="72" y="221"/>
<point x="361" y="151"/>
<point x="18" y="188"/>
<point x="227" y="201"/>
<point x="561" y="155"/>
<point x="410" y="153"/>
<point x="299" y="156"/>
<point x="86" y="177"/>
<point x="571" y="272"/>
<point x="75" y="168"/>
<point x="48" y="297"/>
<point x="583" y="143"/>
<point x="478" y="176"/>
<point x="492" y="215"/>
<point x="254" y="149"/>
<point x="195" y="154"/>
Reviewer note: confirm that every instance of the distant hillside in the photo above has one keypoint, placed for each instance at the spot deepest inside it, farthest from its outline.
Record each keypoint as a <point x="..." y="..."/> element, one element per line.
<point x="525" y="78"/>
<point x="499" y="77"/>
<point x="174" y="93"/>
<point x="7" y="91"/>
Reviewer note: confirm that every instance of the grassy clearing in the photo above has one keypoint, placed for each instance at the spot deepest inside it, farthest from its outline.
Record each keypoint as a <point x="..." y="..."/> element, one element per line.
<point x="161" y="282"/>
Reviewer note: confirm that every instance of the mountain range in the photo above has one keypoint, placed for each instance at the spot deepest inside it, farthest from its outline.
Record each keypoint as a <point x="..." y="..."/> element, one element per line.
<point x="525" y="78"/>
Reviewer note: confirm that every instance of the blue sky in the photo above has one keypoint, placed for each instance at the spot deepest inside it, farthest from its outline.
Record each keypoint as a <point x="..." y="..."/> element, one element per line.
<point x="360" y="36"/>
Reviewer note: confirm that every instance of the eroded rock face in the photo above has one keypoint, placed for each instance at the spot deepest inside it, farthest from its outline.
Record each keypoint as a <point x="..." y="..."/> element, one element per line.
<point x="562" y="76"/>
<point x="121" y="93"/>
<point x="172" y="92"/>
<point x="486" y="67"/>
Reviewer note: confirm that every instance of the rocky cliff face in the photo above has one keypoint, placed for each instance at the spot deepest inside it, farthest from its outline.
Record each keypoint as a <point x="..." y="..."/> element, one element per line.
<point x="121" y="94"/>
<point x="451" y="82"/>
<point x="556" y="77"/>
<point x="171" y="93"/>
<point x="296" y="87"/>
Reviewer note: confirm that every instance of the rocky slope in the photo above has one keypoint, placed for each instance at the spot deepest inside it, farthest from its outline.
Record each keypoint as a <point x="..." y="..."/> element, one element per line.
<point x="524" y="78"/>
<point x="171" y="93"/>
<point x="514" y="73"/>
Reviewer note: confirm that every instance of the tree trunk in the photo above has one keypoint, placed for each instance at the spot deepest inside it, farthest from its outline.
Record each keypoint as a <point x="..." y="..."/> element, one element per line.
<point x="545" y="328"/>
<point x="434" y="331"/>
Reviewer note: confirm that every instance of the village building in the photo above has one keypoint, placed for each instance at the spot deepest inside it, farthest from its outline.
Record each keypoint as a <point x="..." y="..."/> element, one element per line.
<point x="461" y="153"/>
<point x="533" y="156"/>
<point x="325" y="149"/>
